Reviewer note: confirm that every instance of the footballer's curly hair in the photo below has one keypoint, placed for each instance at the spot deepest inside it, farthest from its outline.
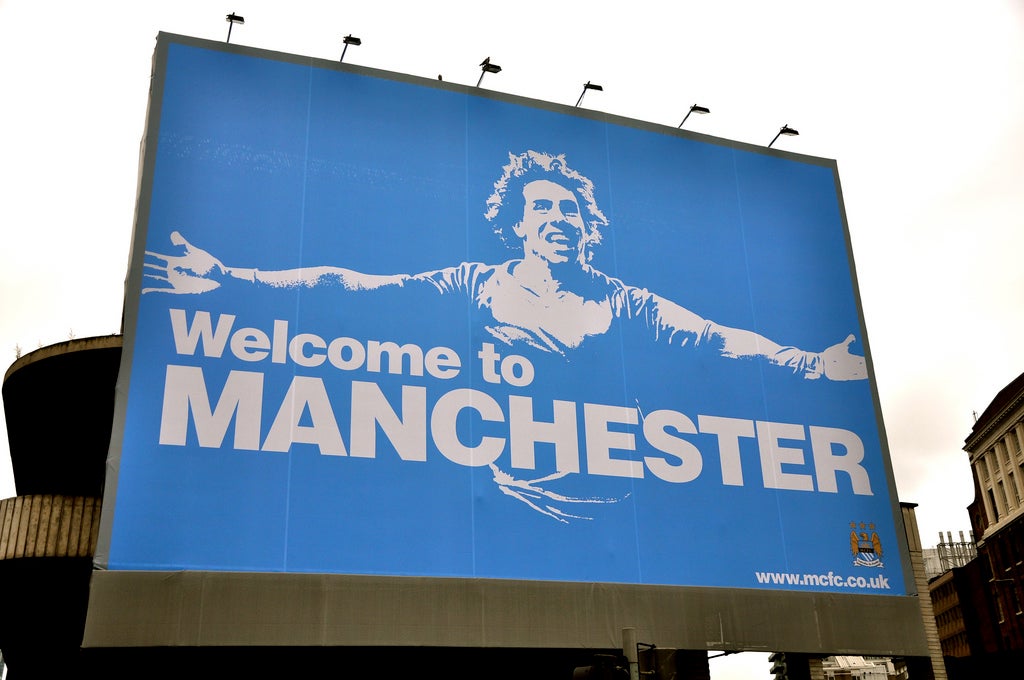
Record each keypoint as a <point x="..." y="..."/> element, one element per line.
<point x="506" y="205"/>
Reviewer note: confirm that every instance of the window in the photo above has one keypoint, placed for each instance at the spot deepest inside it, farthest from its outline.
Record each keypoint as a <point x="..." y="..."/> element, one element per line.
<point x="992" y="502"/>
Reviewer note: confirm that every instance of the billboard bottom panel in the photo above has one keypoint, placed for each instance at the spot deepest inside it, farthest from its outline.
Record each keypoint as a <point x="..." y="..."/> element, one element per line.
<point x="191" y="608"/>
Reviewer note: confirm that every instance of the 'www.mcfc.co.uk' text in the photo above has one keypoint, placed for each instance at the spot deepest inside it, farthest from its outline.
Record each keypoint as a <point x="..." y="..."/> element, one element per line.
<point x="830" y="579"/>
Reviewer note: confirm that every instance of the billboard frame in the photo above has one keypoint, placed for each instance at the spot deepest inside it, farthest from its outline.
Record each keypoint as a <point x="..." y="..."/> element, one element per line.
<point x="679" y="616"/>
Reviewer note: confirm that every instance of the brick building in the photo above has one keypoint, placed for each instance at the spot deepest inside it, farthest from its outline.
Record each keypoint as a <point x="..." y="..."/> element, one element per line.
<point x="978" y="606"/>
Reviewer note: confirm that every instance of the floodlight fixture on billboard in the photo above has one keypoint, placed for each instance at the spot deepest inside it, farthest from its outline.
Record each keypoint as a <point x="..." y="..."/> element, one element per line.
<point x="784" y="130"/>
<point x="700" y="110"/>
<point x="589" y="86"/>
<point x="349" y="40"/>
<point x="382" y="325"/>
<point x="486" y="66"/>
<point x="233" y="19"/>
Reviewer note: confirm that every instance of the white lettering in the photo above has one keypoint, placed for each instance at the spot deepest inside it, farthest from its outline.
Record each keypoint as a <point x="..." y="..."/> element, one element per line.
<point x="304" y="394"/>
<point x="690" y="461"/>
<point x="442" y="362"/>
<point x="185" y="393"/>
<point x="774" y="456"/>
<point x="336" y="354"/>
<point x="517" y="370"/>
<point x="305" y="415"/>
<point x="186" y="339"/>
<point x="488" y="363"/>
<point x="374" y="351"/>
<point x="298" y="355"/>
<point x="278" y="354"/>
<point x="407" y="434"/>
<point x="827" y="463"/>
<point x="446" y="438"/>
<point x="250" y="344"/>
<point x="525" y="432"/>
<point x="601" y="440"/>
<point x="729" y="431"/>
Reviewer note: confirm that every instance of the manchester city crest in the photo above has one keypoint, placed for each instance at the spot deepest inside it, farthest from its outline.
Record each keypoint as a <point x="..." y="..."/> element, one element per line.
<point x="865" y="545"/>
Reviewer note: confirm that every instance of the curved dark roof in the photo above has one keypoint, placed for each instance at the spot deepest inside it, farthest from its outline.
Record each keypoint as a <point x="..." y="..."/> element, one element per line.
<point x="59" y="403"/>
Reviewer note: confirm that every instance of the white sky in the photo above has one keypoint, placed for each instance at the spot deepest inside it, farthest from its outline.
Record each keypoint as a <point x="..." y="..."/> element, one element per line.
<point x="921" y="103"/>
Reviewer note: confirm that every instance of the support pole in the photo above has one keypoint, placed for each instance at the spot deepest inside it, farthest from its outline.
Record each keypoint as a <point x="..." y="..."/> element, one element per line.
<point x="629" y="651"/>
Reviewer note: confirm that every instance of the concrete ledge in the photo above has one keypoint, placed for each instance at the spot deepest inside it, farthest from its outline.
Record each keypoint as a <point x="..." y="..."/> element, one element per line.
<point x="48" y="526"/>
<point x="67" y="347"/>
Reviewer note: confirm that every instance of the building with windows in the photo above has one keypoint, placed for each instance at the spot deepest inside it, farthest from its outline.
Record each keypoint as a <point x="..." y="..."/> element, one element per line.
<point x="862" y="668"/>
<point x="997" y="463"/>
<point x="997" y="459"/>
<point x="978" y="604"/>
<point x="964" y="613"/>
<point x="949" y="580"/>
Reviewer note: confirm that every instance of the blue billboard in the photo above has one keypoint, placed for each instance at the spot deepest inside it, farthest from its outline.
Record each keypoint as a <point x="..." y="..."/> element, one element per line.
<point x="388" y="326"/>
